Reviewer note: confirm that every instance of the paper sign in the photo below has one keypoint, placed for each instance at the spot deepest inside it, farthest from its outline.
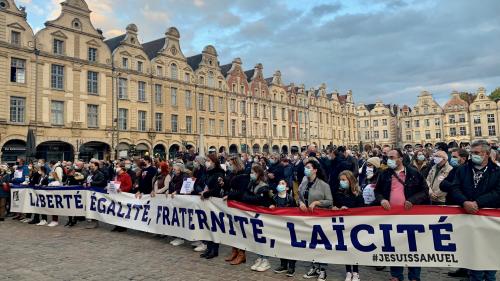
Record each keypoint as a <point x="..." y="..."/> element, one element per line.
<point x="188" y="186"/>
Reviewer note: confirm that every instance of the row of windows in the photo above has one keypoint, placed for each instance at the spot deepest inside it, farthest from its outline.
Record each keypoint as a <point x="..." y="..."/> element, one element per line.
<point x="376" y="135"/>
<point x="427" y="135"/>
<point x="375" y="123"/>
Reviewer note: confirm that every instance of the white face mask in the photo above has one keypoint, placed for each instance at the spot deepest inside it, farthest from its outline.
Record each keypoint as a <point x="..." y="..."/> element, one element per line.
<point x="369" y="172"/>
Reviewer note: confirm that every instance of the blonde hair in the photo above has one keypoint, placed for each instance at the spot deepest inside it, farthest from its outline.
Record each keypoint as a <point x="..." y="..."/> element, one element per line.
<point x="353" y="182"/>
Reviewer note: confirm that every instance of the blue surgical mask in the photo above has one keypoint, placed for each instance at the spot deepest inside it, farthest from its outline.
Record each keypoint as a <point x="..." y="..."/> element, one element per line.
<point x="477" y="159"/>
<point x="454" y="162"/>
<point x="421" y="157"/>
<point x="344" y="184"/>
<point x="281" y="188"/>
<point x="307" y="172"/>
<point x="253" y="177"/>
<point x="392" y="163"/>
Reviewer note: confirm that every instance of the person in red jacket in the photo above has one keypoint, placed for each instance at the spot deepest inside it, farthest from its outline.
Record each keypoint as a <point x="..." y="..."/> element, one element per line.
<point x="125" y="186"/>
<point x="124" y="178"/>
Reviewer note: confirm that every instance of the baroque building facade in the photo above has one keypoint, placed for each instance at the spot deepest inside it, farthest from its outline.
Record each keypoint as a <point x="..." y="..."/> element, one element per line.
<point x="85" y="96"/>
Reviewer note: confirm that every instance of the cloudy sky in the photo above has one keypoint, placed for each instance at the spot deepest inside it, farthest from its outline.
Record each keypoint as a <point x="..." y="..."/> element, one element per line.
<point x="380" y="49"/>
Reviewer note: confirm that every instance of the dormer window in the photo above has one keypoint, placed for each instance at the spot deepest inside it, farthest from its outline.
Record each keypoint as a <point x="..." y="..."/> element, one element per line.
<point x="140" y="66"/>
<point x="92" y="54"/>
<point x="58" y="47"/>
<point x="15" y="38"/>
<point x="159" y="70"/>
<point x="125" y="62"/>
<point x="173" y="71"/>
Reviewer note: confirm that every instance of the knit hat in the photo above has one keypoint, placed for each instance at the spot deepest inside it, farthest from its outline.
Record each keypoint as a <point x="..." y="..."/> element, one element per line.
<point x="375" y="161"/>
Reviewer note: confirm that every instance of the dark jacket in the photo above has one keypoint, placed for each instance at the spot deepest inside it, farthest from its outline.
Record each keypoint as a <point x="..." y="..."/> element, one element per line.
<point x="146" y="179"/>
<point x="348" y="199"/>
<point x="338" y="165"/>
<point x="486" y="194"/>
<point x="416" y="189"/>
<point x="236" y="185"/>
<point x="43" y="181"/>
<point x="214" y="188"/>
<point x="288" y="201"/>
<point x="258" y="195"/>
<point x="34" y="178"/>
<point x="446" y="185"/>
<point x="176" y="183"/>
<point x="98" y="179"/>
<point x="201" y="177"/>
<point x="279" y="173"/>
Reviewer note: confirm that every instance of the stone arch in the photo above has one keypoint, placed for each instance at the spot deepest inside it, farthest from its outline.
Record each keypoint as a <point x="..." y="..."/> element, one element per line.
<point x="94" y="149"/>
<point x="13" y="149"/>
<point x="173" y="151"/>
<point x="233" y="149"/>
<point x="256" y="148"/>
<point x="55" y="150"/>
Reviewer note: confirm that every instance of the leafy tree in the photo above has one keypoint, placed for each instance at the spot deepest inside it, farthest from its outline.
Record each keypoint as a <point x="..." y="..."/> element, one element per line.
<point x="468" y="97"/>
<point x="495" y="95"/>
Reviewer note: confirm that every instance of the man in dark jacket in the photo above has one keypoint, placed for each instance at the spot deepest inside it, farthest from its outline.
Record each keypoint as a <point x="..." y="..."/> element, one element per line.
<point x="96" y="179"/>
<point x="146" y="179"/>
<point x="400" y="186"/>
<point x="338" y="163"/>
<point x="476" y="186"/>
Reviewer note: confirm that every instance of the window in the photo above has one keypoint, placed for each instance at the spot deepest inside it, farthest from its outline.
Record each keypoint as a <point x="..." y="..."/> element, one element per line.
<point x="453" y="132"/>
<point x="158" y="94"/>
<point x="57" y="113"/>
<point x="187" y="77"/>
<point x="283" y="131"/>
<point x="244" y="128"/>
<point x="141" y="91"/>
<point x="384" y="122"/>
<point x="386" y="134"/>
<point x="274" y="112"/>
<point x="211" y="82"/>
<point x="188" y="99"/>
<point x="141" y="120"/>
<point x="221" y="104"/>
<point x="264" y="111"/>
<point x="463" y="131"/>
<point x="58" y="47"/>
<point x="211" y="103"/>
<point x="232" y="105"/>
<point x="491" y="118"/>
<point x="125" y="62"/>
<point x="92" y="82"/>
<point x="122" y="88"/>
<point x="57" y="77"/>
<point x="17" y="109"/>
<point x="492" y="130"/>
<point x="417" y="123"/>
<point x="173" y="71"/>
<point x="407" y="124"/>
<point x="375" y="134"/>
<point x="427" y="123"/>
<point x="15" y="38"/>
<point x="92" y="54"/>
<point x="367" y="123"/>
<point x="243" y="107"/>
<point x="159" y="71"/>
<point x="201" y="125"/>
<point x="275" y="131"/>
<point x="122" y="118"/>
<point x="367" y="135"/>
<point x="477" y="119"/>
<point x="233" y="127"/>
<point x="264" y="130"/>
<point x="18" y="70"/>
<point x="437" y="122"/>
<point x="201" y="105"/>
<point x="451" y="119"/>
<point x="221" y="127"/>
<point x="189" y="124"/>
<point x="220" y="85"/>
<point x="375" y="123"/>
<point x="461" y="118"/>
<point x="174" y="126"/>
<point x="158" y="122"/>
<point x="92" y="115"/>
<point x="256" y="110"/>
<point x="283" y="114"/>
<point x="427" y="135"/>
<point x="438" y="134"/>
<point x="173" y="96"/>
<point x="408" y="136"/>
<point x="477" y="131"/>
<point x="242" y="89"/>
<point x="211" y="126"/>
<point x="140" y="66"/>
<point x="417" y="135"/>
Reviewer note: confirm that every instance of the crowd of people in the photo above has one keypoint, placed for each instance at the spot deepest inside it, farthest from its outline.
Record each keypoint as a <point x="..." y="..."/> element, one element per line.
<point x="335" y="178"/>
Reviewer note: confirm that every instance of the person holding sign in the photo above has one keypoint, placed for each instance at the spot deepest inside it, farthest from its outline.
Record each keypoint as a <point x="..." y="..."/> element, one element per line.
<point x="314" y="192"/>
<point x="215" y="176"/>
<point x="162" y="180"/>
<point x="174" y="188"/>
<point x="348" y="196"/>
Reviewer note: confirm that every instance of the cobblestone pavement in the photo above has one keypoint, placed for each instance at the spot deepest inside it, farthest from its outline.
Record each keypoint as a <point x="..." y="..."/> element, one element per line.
<point x="29" y="252"/>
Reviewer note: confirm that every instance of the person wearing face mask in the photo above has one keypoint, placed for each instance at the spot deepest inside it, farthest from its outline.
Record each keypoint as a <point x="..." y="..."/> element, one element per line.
<point x="283" y="199"/>
<point x="348" y="196"/>
<point x="162" y="179"/>
<point x="476" y="186"/>
<point x="438" y="174"/>
<point x="236" y="183"/>
<point x="401" y="187"/>
<point x="247" y="162"/>
<point x="174" y="188"/>
<point x="200" y="174"/>
<point x="148" y="172"/>
<point x="275" y="171"/>
<point x="421" y="164"/>
<point x="371" y="176"/>
<point x="314" y="192"/>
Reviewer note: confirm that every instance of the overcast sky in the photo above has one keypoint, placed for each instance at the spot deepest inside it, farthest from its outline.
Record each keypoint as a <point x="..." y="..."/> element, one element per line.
<point x="380" y="49"/>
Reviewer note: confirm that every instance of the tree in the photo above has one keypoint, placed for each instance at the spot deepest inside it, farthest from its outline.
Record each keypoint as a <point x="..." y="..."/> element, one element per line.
<point x="468" y="97"/>
<point x="495" y="95"/>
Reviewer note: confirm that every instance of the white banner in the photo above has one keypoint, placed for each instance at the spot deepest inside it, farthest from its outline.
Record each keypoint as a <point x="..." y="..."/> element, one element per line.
<point x="428" y="236"/>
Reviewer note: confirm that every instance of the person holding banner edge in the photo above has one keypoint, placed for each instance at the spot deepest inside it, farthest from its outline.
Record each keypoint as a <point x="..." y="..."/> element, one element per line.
<point x="314" y="192"/>
<point x="401" y="186"/>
